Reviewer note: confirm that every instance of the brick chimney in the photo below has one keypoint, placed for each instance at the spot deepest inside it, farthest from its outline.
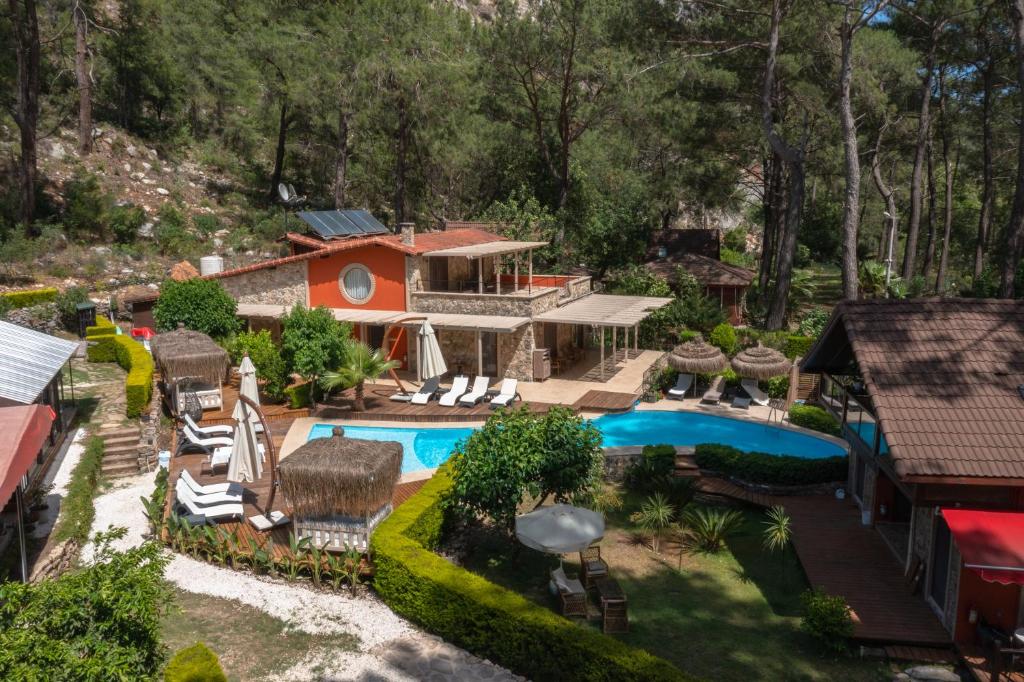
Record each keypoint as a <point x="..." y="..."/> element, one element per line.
<point x="408" y="232"/>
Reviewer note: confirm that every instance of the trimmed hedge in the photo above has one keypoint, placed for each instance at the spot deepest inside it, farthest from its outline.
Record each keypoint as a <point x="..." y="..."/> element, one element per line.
<point x="194" y="664"/>
<point x="103" y="328"/>
<point x="29" y="297"/>
<point x="486" y="619"/>
<point x="134" y="359"/>
<point x="815" y="418"/>
<point x="768" y="469"/>
<point x="797" y="346"/>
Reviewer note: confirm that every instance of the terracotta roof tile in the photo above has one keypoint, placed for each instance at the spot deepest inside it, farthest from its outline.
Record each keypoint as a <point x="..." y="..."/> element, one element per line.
<point x="943" y="376"/>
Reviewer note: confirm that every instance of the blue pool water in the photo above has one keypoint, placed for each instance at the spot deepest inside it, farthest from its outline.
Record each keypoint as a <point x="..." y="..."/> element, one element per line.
<point x="427" y="448"/>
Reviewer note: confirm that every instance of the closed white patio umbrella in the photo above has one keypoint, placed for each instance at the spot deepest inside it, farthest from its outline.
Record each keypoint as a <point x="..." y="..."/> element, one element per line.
<point x="248" y="388"/>
<point x="560" y="529"/>
<point x="246" y="463"/>
<point x="431" y="361"/>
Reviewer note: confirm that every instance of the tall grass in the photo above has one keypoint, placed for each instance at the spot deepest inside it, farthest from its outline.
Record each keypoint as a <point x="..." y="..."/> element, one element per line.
<point x="77" y="510"/>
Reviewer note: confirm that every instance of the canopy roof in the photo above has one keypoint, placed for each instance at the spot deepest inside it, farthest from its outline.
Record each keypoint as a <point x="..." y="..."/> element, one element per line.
<point x="759" y="362"/>
<point x="990" y="542"/>
<point x="29" y="360"/>
<point x="338" y="475"/>
<point x="496" y="323"/>
<point x="696" y="356"/>
<point x="487" y="249"/>
<point x="23" y="430"/>
<point x="187" y="353"/>
<point x="605" y="310"/>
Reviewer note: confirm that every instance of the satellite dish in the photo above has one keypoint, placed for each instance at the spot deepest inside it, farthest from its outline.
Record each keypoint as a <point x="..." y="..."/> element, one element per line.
<point x="282" y="191"/>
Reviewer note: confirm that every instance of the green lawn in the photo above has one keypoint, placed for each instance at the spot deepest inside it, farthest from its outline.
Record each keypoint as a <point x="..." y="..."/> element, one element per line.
<point x="730" y="616"/>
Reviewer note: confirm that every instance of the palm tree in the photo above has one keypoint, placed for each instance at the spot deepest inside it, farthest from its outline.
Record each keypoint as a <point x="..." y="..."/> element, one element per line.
<point x="778" y="531"/>
<point x="360" y="364"/>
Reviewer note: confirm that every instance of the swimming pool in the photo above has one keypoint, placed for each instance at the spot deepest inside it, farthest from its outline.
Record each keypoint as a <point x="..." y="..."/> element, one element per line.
<point x="428" y="448"/>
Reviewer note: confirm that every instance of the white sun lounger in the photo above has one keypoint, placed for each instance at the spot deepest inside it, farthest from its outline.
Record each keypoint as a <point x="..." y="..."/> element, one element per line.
<point x="682" y="387"/>
<point x="205" y="443"/>
<point x="213" y="499"/>
<point x="208" y="431"/>
<point x="210" y="488"/>
<point x="459" y="386"/>
<point x="427" y="391"/>
<point x="477" y="393"/>
<point x="222" y="455"/>
<point x="507" y="394"/>
<point x="754" y="391"/>
<point x="198" y="512"/>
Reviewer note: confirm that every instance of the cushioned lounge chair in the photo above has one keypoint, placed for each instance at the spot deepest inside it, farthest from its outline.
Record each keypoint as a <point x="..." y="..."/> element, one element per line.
<point x="754" y="391"/>
<point x="458" y="389"/>
<point x="682" y="387"/>
<point x="192" y="440"/>
<point x="714" y="392"/>
<point x="477" y="393"/>
<point x="201" y="513"/>
<point x="224" y="430"/>
<point x="210" y="488"/>
<point x="427" y="391"/>
<point x="571" y="593"/>
<point x="507" y="395"/>
<point x="210" y="500"/>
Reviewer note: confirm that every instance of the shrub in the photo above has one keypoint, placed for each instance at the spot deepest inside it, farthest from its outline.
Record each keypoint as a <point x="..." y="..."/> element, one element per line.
<point x="199" y="304"/>
<point x="266" y="356"/>
<point x="813" y="323"/>
<point x="298" y="396"/>
<point x="312" y="343"/>
<point x="656" y="462"/>
<point x="28" y="297"/>
<point x="518" y="452"/>
<point x="125" y="221"/>
<point x="764" y="468"/>
<point x="67" y="302"/>
<point x="194" y="664"/>
<point x="724" y="337"/>
<point x="98" y="623"/>
<point x="487" y="619"/>
<point x="826" y="618"/>
<point x="77" y="511"/>
<point x="133" y="357"/>
<point x="102" y="328"/>
<point x="778" y="387"/>
<point x="797" y="346"/>
<point x="815" y="418"/>
<point x="708" y="528"/>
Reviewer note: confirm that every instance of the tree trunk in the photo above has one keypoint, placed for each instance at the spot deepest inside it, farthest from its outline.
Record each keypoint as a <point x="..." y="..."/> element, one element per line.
<point x="923" y="125"/>
<point x="1015" y="229"/>
<point x="401" y="144"/>
<point x="25" y="32"/>
<point x="359" y="404"/>
<point x="950" y="174"/>
<point x="772" y="202"/>
<point x="987" y="185"/>
<point x="851" y="202"/>
<point x="341" y="160"/>
<point x="889" y="234"/>
<point x="83" y="78"/>
<point x="794" y="160"/>
<point x="929" y="249"/>
<point x="282" y="138"/>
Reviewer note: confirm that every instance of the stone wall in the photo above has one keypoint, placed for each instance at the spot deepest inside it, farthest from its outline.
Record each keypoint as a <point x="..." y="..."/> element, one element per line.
<point x="579" y="287"/>
<point x="458" y="347"/>
<point x="283" y="285"/>
<point x="921" y="534"/>
<point x="483" y="304"/>
<point x="515" y="353"/>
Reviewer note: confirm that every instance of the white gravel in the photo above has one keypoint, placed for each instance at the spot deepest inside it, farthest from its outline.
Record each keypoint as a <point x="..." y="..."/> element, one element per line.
<point x="378" y="630"/>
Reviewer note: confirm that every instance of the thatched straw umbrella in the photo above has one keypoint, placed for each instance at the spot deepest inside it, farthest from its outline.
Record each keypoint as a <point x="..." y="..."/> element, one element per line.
<point x="340" y="476"/>
<point x="761" y="363"/>
<point x="697" y="357"/>
<point x="186" y="353"/>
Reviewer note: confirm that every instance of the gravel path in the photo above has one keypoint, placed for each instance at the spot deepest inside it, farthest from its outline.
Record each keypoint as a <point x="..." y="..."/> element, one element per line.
<point x="389" y="647"/>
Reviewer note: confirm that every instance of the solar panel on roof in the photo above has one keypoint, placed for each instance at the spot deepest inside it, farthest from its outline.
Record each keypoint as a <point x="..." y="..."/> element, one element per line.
<point x="342" y="224"/>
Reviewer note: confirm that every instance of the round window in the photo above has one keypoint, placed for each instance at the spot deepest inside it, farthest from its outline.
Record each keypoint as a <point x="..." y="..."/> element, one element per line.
<point x="356" y="283"/>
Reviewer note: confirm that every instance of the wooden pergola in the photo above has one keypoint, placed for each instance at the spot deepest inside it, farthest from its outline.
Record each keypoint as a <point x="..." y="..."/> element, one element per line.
<point x="496" y="250"/>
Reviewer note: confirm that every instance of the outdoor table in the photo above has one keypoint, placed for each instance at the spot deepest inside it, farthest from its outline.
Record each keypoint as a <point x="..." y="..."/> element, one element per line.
<point x="608" y="589"/>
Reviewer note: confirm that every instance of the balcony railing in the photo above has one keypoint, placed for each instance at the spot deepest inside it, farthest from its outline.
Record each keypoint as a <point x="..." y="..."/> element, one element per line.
<point x="568" y="286"/>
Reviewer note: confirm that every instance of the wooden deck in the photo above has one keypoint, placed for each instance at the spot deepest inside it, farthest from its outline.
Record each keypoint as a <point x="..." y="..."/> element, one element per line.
<point x="841" y="556"/>
<point x="605" y="401"/>
<point x="976" y="663"/>
<point x="272" y="412"/>
<point x="379" y="407"/>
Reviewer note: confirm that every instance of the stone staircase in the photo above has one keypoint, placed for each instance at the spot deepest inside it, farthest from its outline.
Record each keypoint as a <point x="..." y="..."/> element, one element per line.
<point x="686" y="465"/>
<point x="120" y="450"/>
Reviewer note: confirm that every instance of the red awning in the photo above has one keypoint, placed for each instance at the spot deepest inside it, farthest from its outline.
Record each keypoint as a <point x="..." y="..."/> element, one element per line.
<point x="23" y="430"/>
<point x="991" y="543"/>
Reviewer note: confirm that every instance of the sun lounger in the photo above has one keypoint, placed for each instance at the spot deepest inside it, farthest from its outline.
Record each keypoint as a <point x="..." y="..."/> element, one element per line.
<point x="213" y="499"/>
<point x="196" y="511"/>
<point x="427" y="391"/>
<point x="190" y="439"/>
<point x="714" y="392"/>
<point x="682" y="387"/>
<point x="210" y="488"/>
<point x="458" y="389"/>
<point x="754" y="391"/>
<point x="741" y="403"/>
<point x="571" y="593"/>
<point x="208" y="431"/>
<point x="477" y="393"/>
<point x="507" y="394"/>
<point x="222" y="455"/>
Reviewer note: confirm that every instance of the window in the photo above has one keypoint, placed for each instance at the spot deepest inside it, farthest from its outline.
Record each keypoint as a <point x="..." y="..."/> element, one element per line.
<point x="356" y="283"/>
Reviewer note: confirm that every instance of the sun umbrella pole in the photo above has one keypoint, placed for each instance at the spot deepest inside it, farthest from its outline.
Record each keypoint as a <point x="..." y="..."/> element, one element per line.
<point x="247" y="403"/>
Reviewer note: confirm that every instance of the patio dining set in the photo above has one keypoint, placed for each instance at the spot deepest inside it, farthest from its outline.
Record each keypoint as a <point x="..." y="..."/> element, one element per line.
<point x="573" y="591"/>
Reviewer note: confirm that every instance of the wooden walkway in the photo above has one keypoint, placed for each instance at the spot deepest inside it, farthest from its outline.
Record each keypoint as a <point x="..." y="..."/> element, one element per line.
<point x="605" y="401"/>
<point x="979" y="666"/>
<point x="841" y="556"/>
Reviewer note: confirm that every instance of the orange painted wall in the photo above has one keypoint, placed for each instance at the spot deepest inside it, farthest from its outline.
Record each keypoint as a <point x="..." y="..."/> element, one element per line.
<point x="387" y="266"/>
<point x="996" y="603"/>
